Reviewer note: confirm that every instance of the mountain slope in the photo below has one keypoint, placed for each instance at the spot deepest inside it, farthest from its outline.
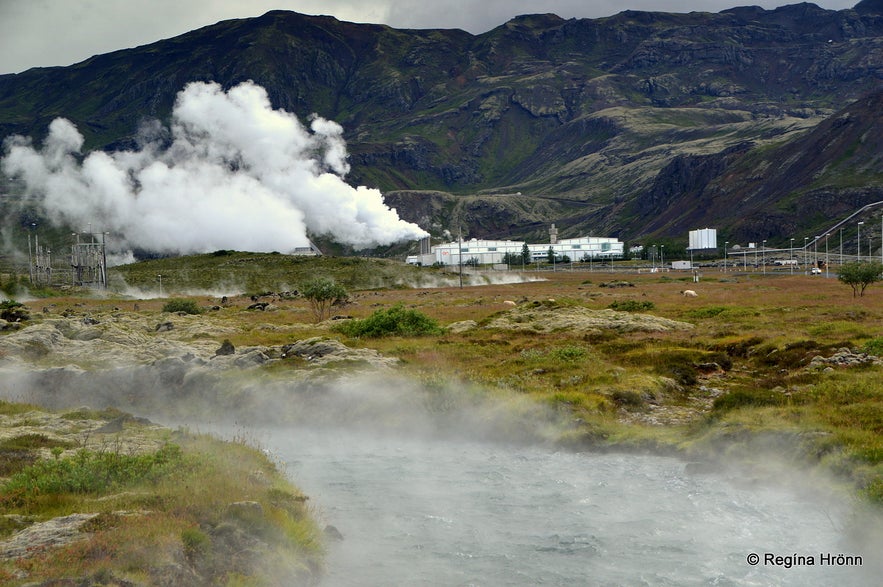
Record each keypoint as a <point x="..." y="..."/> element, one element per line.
<point x="579" y="117"/>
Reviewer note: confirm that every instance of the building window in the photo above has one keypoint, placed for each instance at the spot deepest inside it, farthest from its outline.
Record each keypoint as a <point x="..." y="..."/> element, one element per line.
<point x="492" y="249"/>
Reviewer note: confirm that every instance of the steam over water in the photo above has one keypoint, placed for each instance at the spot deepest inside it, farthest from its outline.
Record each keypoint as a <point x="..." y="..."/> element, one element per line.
<point x="465" y="513"/>
<point x="428" y="493"/>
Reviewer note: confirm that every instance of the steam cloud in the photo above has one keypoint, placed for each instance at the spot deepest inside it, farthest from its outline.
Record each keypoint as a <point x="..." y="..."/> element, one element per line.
<point x="234" y="174"/>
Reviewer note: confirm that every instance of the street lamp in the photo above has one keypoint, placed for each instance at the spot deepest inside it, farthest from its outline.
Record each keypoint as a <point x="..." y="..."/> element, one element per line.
<point x="805" y="262"/>
<point x="727" y="246"/>
<point x="858" y="254"/>
<point x="827" y="264"/>
<point x="815" y="251"/>
<point x="763" y="256"/>
<point x="662" y="257"/>
<point x="791" y="256"/>
<point x="159" y="277"/>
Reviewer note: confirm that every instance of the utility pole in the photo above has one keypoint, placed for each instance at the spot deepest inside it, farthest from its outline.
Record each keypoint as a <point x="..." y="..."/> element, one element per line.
<point x="460" y="254"/>
<point x="30" y="259"/>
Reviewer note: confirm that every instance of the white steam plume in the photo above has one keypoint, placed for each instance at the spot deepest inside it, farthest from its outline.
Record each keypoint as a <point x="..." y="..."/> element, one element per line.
<point x="237" y="174"/>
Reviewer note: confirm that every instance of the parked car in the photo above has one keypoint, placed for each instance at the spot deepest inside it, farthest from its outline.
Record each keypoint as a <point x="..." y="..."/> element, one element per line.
<point x="815" y="271"/>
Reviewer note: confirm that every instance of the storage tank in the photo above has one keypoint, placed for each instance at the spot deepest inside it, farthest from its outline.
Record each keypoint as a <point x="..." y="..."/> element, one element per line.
<point x="705" y="238"/>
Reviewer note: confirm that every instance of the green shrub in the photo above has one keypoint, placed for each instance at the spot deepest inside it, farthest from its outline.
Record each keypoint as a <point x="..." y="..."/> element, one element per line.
<point x="627" y="398"/>
<point x="90" y="472"/>
<point x="874" y="346"/>
<point x="396" y="320"/>
<point x="196" y="543"/>
<point x="748" y="398"/>
<point x="568" y="353"/>
<point x="13" y="311"/>
<point x="181" y="305"/>
<point x="707" y="312"/>
<point x="632" y="305"/>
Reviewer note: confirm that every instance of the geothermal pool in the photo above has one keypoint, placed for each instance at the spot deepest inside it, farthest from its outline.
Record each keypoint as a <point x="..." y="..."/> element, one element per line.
<point x="417" y="512"/>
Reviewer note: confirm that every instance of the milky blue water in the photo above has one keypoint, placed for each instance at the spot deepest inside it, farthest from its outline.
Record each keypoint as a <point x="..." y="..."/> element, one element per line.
<point x="418" y="512"/>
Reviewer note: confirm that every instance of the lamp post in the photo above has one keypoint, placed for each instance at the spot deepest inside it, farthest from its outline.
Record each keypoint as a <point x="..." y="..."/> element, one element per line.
<point x="858" y="252"/>
<point x="159" y="277"/>
<point x="726" y="248"/>
<point x="827" y="264"/>
<point x="805" y="261"/>
<point x="815" y="251"/>
<point x="791" y="256"/>
<point x="662" y="257"/>
<point x="30" y="256"/>
<point x="763" y="256"/>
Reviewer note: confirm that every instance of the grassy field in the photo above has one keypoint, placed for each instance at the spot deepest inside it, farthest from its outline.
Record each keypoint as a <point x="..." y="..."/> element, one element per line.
<point x="741" y="375"/>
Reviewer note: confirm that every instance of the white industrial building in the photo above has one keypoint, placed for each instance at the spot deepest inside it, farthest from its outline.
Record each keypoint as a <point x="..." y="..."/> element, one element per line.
<point x="491" y="252"/>
<point x="705" y="238"/>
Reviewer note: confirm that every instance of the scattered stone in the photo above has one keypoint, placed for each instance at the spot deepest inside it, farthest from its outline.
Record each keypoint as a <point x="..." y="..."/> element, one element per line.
<point x="164" y="327"/>
<point x="261" y="306"/>
<point x="332" y="533"/>
<point x="464" y="326"/>
<point x="227" y="348"/>
<point x="844" y="357"/>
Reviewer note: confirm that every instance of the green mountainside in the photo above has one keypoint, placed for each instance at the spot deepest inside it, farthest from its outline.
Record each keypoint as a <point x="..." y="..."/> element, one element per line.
<point x="636" y="125"/>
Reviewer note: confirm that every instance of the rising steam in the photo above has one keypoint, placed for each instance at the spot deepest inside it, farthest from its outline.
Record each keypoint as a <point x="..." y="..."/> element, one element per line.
<point x="233" y="174"/>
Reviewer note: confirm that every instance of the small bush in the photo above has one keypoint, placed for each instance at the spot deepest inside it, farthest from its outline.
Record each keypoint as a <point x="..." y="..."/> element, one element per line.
<point x="13" y="311"/>
<point x="707" y="312"/>
<point x="627" y="398"/>
<point x="568" y="353"/>
<point x="90" y="472"/>
<point x="874" y="346"/>
<point x="632" y="305"/>
<point x="791" y="356"/>
<point x="748" y="398"/>
<point x="394" y="321"/>
<point x="181" y="305"/>
<point x="196" y="543"/>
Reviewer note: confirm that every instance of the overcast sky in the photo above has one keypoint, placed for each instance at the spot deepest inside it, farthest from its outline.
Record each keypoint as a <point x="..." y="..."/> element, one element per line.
<point x="36" y="33"/>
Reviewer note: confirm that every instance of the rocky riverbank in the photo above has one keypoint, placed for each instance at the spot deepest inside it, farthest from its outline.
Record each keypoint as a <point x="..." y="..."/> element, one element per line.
<point x="99" y="497"/>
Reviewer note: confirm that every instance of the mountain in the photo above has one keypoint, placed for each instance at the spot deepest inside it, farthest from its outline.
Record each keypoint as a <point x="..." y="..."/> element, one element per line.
<point x="642" y="124"/>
